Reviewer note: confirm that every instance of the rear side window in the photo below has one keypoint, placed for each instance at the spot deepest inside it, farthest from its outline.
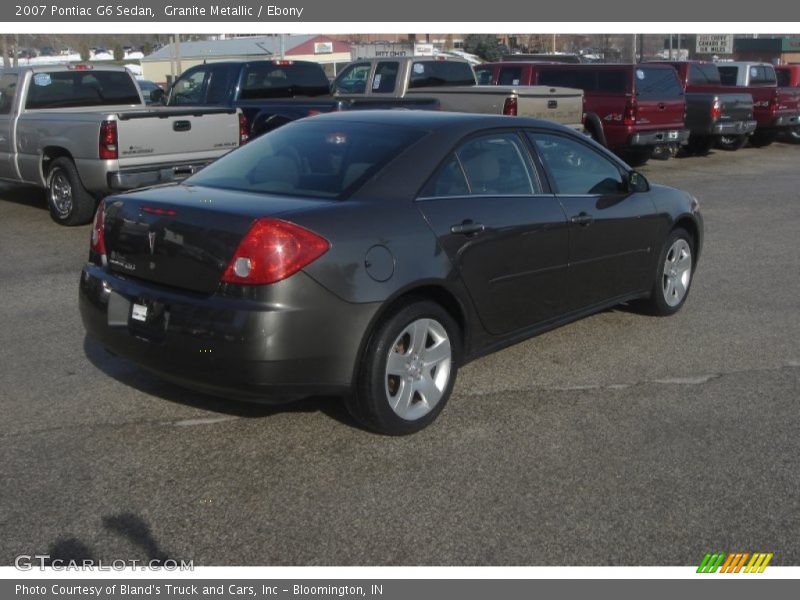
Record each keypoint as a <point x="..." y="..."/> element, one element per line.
<point x="577" y="168"/>
<point x="704" y="74"/>
<point x="490" y="165"/>
<point x="784" y="78"/>
<point x="81" y="88"/>
<point x="317" y="160"/>
<point x="762" y="75"/>
<point x="612" y="81"/>
<point x="510" y="76"/>
<point x="656" y="84"/>
<point x="385" y="78"/>
<point x="432" y="73"/>
<point x="582" y="79"/>
<point x="277" y="80"/>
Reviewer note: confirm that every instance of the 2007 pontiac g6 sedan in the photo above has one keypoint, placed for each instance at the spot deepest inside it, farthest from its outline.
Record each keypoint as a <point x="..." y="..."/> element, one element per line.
<point x="371" y="254"/>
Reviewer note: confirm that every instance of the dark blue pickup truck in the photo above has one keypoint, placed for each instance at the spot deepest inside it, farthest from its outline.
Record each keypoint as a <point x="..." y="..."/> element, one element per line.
<point x="270" y="93"/>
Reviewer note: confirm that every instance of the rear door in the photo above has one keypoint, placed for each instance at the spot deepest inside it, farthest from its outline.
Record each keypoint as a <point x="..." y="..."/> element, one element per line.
<point x="504" y="233"/>
<point x="610" y="229"/>
<point x="659" y="96"/>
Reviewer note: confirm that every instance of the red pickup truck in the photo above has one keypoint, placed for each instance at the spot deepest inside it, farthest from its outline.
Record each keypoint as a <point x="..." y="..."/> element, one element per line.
<point x="715" y="114"/>
<point x="637" y="111"/>
<point x="789" y="77"/>
<point x="777" y="109"/>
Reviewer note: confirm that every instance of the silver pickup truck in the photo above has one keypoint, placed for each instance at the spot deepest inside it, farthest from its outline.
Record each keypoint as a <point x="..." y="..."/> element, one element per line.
<point x="84" y="131"/>
<point x="452" y="82"/>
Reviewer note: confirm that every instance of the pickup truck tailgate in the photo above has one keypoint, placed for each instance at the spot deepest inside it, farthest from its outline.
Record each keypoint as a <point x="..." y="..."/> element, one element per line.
<point x="187" y="135"/>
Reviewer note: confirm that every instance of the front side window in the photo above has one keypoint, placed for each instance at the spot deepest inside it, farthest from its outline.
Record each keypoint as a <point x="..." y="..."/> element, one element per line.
<point x="8" y="88"/>
<point x="189" y="89"/>
<point x="353" y="80"/>
<point x="576" y="168"/>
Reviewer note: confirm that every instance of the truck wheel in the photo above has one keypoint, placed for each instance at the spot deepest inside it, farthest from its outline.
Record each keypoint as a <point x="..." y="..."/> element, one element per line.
<point x="700" y="145"/>
<point x="69" y="202"/>
<point x="793" y="135"/>
<point x="636" y="158"/>
<point x="731" y="142"/>
<point x="763" y="138"/>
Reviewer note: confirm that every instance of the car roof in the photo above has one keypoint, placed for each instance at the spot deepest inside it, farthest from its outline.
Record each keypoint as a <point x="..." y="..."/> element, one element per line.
<point x="435" y="119"/>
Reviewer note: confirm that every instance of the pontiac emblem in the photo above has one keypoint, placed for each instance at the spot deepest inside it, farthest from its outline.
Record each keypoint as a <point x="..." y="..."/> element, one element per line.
<point x="151" y="238"/>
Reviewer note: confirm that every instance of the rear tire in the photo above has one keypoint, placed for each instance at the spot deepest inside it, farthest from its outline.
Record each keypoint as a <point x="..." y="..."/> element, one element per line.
<point x="637" y="158"/>
<point x="731" y="143"/>
<point x="762" y="138"/>
<point x="69" y="202"/>
<point x="700" y="145"/>
<point x="408" y="371"/>
<point x="793" y="135"/>
<point x="674" y="274"/>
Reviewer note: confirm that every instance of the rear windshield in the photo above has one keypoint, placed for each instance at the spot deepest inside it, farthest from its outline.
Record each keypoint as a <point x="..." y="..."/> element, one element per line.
<point x="81" y="88"/>
<point x="268" y="80"/>
<point x="654" y="83"/>
<point x="784" y="78"/>
<point x="432" y="73"/>
<point x="727" y="75"/>
<point x="323" y="160"/>
<point x="704" y="74"/>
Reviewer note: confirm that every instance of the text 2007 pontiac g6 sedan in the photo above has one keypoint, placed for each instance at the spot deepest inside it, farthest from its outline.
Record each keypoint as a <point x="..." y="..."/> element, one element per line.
<point x="370" y="254"/>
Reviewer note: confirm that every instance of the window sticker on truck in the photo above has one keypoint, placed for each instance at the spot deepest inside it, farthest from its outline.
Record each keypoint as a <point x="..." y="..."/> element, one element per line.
<point x="42" y="79"/>
<point x="376" y="81"/>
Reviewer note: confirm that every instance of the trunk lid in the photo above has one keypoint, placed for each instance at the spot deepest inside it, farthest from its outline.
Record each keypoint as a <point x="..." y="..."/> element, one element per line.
<point x="184" y="236"/>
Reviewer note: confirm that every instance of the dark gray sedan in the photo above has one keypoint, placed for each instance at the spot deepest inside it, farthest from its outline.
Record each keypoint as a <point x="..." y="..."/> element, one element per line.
<point x="370" y="254"/>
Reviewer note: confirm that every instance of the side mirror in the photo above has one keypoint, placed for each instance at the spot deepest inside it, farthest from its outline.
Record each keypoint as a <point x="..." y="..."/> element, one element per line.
<point x="157" y="96"/>
<point x="637" y="182"/>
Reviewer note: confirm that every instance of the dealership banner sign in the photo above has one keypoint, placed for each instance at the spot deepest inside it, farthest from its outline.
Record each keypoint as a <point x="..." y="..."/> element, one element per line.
<point x="715" y="44"/>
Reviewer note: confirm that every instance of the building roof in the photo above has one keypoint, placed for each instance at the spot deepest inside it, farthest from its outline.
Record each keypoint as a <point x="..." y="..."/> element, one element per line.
<point x="261" y="46"/>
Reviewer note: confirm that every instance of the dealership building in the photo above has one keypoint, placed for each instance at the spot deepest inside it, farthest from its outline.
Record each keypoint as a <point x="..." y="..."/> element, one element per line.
<point x="166" y="63"/>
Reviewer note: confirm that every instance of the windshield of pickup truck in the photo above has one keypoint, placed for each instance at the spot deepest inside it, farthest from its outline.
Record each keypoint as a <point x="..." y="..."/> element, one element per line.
<point x="322" y="160"/>
<point x="279" y="80"/>
<point x="433" y="73"/>
<point x="61" y="89"/>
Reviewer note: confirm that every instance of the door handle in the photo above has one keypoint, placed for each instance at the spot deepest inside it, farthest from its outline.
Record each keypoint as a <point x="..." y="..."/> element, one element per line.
<point x="467" y="227"/>
<point x="583" y="219"/>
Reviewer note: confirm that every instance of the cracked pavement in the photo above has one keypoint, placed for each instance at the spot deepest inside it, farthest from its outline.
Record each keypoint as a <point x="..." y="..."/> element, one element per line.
<point x="620" y="439"/>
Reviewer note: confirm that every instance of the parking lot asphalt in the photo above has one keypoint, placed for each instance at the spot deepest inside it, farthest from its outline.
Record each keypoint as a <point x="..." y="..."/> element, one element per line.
<point x="620" y="439"/>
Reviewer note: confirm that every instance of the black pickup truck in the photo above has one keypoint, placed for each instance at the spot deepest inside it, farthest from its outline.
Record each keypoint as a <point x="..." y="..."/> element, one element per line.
<point x="270" y="93"/>
<point x="715" y="114"/>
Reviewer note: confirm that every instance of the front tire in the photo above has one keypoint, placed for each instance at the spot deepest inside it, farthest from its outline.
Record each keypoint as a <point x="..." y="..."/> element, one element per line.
<point x="673" y="274"/>
<point x="69" y="202"/>
<point x="409" y="370"/>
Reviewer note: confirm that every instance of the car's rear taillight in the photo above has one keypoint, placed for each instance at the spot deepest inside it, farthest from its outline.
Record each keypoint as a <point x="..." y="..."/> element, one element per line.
<point x="631" y="110"/>
<point x="98" y="240"/>
<point x="716" y="109"/>
<point x="273" y="250"/>
<point x="108" y="140"/>
<point x="774" y="102"/>
<point x="510" y="106"/>
<point x="244" y="130"/>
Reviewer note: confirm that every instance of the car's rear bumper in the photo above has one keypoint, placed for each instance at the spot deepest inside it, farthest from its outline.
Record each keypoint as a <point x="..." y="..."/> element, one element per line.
<point x="659" y="137"/>
<point x="735" y="127"/>
<point x="138" y="178"/>
<point x="303" y="342"/>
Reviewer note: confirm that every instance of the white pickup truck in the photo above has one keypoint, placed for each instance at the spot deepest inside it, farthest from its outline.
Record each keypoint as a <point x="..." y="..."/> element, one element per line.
<point x="453" y="84"/>
<point x="83" y="132"/>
